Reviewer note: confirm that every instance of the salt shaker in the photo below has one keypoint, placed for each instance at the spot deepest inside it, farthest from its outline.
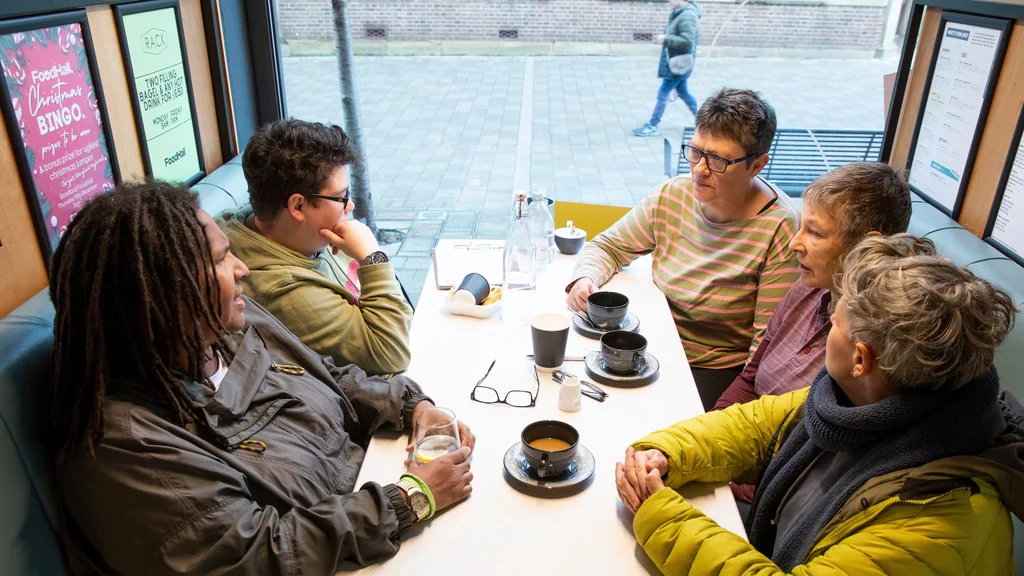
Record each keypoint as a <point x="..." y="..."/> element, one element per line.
<point x="569" y="395"/>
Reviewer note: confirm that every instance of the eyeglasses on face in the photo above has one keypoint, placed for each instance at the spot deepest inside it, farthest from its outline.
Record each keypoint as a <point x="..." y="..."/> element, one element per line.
<point x="516" y="398"/>
<point x="343" y="199"/>
<point x="715" y="163"/>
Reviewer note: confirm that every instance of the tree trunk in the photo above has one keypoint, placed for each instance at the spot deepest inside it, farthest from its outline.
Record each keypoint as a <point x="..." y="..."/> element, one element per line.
<point x="359" y="180"/>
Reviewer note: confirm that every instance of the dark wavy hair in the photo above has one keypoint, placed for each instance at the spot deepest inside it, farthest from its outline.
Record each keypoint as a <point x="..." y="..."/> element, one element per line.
<point x="292" y="157"/>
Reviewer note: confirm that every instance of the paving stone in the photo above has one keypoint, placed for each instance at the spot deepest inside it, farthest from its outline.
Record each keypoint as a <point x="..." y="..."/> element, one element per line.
<point x="417" y="246"/>
<point x="425" y="228"/>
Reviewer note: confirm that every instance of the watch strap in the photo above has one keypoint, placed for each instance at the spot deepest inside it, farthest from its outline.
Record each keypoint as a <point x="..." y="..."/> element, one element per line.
<point x="411" y="489"/>
<point x="423" y="488"/>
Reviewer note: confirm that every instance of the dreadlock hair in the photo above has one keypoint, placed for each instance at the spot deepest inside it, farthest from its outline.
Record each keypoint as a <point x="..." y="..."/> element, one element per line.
<point x="128" y="281"/>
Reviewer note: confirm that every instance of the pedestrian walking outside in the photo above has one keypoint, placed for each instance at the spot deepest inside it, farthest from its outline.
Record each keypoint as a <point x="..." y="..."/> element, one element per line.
<point x="680" y="38"/>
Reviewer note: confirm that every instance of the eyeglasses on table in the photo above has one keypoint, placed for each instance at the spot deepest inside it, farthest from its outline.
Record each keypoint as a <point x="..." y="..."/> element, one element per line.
<point x="515" y="398"/>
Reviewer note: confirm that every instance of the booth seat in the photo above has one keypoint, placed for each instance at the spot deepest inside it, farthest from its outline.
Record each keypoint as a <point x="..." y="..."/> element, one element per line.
<point x="28" y="511"/>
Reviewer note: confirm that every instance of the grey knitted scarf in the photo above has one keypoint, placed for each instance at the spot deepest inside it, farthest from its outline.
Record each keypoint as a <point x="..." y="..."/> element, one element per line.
<point x="896" y="433"/>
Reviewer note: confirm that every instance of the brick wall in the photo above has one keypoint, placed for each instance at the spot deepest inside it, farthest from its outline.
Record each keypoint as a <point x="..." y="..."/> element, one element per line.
<point x="757" y="25"/>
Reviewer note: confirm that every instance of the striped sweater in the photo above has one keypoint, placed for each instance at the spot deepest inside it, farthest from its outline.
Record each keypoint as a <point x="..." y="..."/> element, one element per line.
<point x="722" y="281"/>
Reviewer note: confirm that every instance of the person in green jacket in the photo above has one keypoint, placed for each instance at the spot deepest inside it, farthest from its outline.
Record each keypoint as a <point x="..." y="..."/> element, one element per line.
<point x="318" y="271"/>
<point x="680" y="38"/>
<point x="903" y="457"/>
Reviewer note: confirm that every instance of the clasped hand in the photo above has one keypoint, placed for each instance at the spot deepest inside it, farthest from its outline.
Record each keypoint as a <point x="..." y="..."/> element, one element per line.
<point x="639" y="477"/>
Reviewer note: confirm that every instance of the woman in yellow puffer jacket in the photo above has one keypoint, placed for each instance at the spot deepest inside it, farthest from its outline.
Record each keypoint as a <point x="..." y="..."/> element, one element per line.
<point x="903" y="457"/>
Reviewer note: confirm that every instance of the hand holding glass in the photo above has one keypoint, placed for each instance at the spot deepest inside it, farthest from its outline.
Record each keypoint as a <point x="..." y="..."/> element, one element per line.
<point x="435" y="433"/>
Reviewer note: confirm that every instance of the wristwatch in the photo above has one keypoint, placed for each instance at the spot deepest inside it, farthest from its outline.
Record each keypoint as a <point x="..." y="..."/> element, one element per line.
<point x="418" y="500"/>
<point x="377" y="257"/>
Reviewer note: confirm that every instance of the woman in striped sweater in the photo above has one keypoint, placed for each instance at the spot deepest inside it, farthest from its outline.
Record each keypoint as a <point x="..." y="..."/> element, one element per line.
<point x="719" y="237"/>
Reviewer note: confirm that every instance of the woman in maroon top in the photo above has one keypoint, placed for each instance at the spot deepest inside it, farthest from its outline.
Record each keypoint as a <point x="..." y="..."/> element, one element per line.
<point x="840" y="209"/>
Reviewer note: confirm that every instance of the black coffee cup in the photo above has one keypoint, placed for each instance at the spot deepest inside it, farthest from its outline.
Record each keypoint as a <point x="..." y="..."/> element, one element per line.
<point x="550" y="334"/>
<point x="624" y="352"/>
<point x="547" y="463"/>
<point x="607" y="309"/>
<point x="473" y="284"/>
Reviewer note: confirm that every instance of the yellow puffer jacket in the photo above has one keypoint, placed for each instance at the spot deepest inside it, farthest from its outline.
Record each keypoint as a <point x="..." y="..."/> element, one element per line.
<point x="948" y="517"/>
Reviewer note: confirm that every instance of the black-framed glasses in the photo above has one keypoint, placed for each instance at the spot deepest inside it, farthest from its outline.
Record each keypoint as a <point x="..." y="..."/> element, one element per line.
<point x="516" y="398"/>
<point x="343" y="199"/>
<point x="715" y="163"/>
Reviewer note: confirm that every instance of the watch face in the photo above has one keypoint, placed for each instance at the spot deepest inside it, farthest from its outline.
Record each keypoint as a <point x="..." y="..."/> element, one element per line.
<point x="420" y="503"/>
<point x="378" y="258"/>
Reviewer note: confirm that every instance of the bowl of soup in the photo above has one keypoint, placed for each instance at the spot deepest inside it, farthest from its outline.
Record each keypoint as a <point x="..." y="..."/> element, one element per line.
<point x="549" y="446"/>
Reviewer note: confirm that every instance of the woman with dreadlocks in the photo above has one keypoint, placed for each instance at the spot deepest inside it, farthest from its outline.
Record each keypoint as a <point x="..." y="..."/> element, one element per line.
<point x="193" y="433"/>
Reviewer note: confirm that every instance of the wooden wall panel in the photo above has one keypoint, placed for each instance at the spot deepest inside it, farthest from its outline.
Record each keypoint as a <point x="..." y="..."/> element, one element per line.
<point x="998" y="129"/>
<point x="22" y="272"/>
<point x="202" y="83"/>
<point x="995" y="140"/>
<point x="116" y="93"/>
<point x="913" y="98"/>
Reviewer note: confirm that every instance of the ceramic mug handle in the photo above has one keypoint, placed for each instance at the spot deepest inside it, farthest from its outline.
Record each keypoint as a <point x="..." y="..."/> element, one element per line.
<point x="639" y="361"/>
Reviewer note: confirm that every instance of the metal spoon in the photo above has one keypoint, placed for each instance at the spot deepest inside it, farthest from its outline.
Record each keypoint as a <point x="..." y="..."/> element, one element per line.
<point x="585" y="319"/>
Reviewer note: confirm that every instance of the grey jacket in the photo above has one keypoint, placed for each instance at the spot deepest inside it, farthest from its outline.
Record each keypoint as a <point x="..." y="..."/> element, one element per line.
<point x="205" y="499"/>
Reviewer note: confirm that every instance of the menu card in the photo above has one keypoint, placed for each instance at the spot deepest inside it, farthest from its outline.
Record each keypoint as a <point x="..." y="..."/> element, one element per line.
<point x="962" y="73"/>
<point x="1006" y="228"/>
<point x="453" y="259"/>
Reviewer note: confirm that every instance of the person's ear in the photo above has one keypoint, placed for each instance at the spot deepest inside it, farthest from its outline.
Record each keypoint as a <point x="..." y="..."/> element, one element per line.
<point x="297" y="204"/>
<point x="874" y="233"/>
<point x="863" y="360"/>
<point x="758" y="164"/>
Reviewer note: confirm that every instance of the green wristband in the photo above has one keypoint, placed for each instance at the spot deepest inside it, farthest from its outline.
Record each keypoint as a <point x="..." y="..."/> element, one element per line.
<point x="423" y="486"/>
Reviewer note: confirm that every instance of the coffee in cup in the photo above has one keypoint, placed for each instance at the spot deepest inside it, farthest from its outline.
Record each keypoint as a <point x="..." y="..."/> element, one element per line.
<point x="549" y="446"/>
<point x="624" y="352"/>
<point x="607" y="310"/>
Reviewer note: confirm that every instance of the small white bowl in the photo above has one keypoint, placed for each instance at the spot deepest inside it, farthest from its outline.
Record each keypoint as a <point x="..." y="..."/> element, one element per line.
<point x="474" y="310"/>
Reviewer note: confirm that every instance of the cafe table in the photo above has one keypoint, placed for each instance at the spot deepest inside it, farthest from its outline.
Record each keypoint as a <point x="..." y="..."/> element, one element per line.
<point x="498" y="529"/>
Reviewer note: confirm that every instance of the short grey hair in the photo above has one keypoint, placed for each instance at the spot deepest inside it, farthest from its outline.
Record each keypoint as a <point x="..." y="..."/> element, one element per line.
<point x="863" y="197"/>
<point x="931" y="324"/>
<point x="743" y="116"/>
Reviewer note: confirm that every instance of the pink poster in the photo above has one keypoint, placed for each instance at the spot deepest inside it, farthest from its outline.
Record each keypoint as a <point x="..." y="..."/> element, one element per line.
<point x="51" y="93"/>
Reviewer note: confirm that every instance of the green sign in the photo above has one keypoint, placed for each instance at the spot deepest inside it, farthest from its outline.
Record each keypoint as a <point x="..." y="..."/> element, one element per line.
<point x="163" y="103"/>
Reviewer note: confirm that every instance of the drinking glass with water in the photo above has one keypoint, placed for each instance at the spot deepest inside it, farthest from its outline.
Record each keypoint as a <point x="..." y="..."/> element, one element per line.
<point x="435" y="433"/>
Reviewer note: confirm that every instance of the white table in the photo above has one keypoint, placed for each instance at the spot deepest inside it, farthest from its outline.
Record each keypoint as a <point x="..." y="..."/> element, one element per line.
<point x="499" y="530"/>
